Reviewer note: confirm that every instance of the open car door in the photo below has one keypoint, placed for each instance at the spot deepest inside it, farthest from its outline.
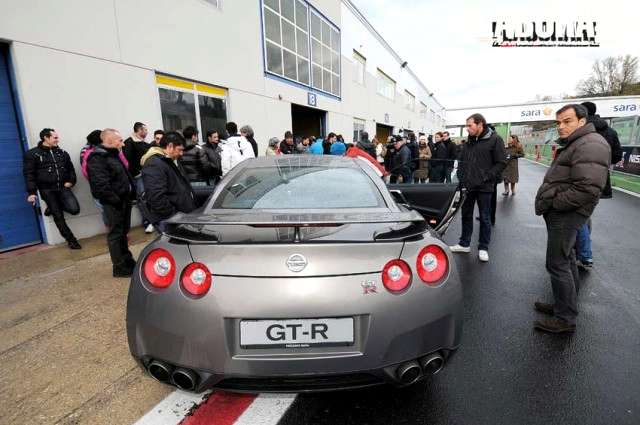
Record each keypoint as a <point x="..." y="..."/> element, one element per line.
<point x="438" y="203"/>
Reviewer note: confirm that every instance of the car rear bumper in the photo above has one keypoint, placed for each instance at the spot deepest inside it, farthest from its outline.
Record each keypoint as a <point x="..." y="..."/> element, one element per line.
<point x="202" y="335"/>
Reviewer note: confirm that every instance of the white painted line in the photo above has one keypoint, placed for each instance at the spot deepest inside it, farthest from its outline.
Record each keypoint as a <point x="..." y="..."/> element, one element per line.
<point x="266" y="409"/>
<point x="172" y="409"/>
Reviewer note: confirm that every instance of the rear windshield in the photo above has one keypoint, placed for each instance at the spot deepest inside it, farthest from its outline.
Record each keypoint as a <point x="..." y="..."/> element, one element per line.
<point x="300" y="188"/>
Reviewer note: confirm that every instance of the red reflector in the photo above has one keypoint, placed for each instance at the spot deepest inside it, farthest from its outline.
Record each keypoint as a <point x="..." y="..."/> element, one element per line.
<point x="159" y="268"/>
<point x="396" y="276"/>
<point x="432" y="264"/>
<point x="196" y="279"/>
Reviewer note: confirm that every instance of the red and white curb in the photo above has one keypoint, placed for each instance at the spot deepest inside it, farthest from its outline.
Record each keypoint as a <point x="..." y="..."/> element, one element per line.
<point x="219" y="408"/>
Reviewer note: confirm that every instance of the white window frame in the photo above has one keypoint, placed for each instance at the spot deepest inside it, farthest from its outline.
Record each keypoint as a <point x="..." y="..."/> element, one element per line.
<point x="386" y="84"/>
<point x="360" y="68"/>
<point x="410" y="101"/>
<point x="359" y="122"/>
<point x="333" y="28"/>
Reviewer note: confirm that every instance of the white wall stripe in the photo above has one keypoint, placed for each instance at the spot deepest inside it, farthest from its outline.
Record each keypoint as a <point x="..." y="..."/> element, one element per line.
<point x="266" y="409"/>
<point x="172" y="409"/>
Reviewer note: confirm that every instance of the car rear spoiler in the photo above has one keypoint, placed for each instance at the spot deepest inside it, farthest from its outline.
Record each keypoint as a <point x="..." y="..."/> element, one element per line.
<point x="204" y="228"/>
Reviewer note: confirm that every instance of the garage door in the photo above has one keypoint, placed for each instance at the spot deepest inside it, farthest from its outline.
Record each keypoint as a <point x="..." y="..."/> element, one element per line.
<point x="18" y="221"/>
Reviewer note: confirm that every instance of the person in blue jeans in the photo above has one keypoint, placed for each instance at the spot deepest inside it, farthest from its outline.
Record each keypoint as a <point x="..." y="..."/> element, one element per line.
<point x="583" y="246"/>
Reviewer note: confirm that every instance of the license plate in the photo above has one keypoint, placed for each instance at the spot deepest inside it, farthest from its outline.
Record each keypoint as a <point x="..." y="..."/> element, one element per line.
<point x="296" y="333"/>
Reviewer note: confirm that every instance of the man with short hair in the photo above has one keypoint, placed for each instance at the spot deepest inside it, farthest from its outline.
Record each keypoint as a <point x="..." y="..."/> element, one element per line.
<point x="366" y="145"/>
<point x="157" y="136"/>
<point x="134" y="148"/>
<point x="567" y="197"/>
<point x="328" y="142"/>
<point x="235" y="148"/>
<point x="48" y="169"/>
<point x="194" y="160"/>
<point x="167" y="189"/>
<point x="583" y="240"/>
<point x="451" y="155"/>
<point x="213" y="151"/>
<point x="113" y="186"/>
<point x="287" y="146"/>
<point x="483" y="158"/>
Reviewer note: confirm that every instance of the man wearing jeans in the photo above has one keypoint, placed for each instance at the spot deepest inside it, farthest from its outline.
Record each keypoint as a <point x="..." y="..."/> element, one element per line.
<point x="566" y="199"/>
<point x="482" y="160"/>
<point x="48" y="169"/>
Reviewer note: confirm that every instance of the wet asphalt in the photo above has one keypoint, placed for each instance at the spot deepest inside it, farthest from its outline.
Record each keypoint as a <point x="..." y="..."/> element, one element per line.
<point x="505" y="372"/>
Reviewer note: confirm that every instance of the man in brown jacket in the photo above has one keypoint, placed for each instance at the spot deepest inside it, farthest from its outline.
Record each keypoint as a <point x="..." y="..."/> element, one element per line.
<point x="566" y="199"/>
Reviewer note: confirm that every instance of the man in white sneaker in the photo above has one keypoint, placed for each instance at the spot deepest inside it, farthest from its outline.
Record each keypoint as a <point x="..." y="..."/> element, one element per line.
<point x="482" y="160"/>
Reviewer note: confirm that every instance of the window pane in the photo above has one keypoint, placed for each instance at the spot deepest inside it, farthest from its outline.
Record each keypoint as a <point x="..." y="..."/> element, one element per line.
<point x="274" y="58"/>
<point x="301" y="15"/>
<point x="326" y="34"/>
<point x="272" y="26"/>
<point x="326" y="80"/>
<point x="177" y="108"/>
<point x="303" y="71"/>
<point x="213" y="113"/>
<point x="288" y="35"/>
<point x="316" y="26"/>
<point x="273" y="4"/>
<point x="317" y="77"/>
<point x="316" y="52"/>
<point x="335" y="63"/>
<point x="290" y="65"/>
<point x="289" y="186"/>
<point x="335" y="40"/>
<point x="326" y="57"/>
<point x="303" y="44"/>
<point x="288" y="10"/>
<point x="335" y="83"/>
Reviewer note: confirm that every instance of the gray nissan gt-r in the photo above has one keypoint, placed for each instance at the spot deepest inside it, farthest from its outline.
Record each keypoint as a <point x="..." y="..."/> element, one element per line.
<point x="300" y="273"/>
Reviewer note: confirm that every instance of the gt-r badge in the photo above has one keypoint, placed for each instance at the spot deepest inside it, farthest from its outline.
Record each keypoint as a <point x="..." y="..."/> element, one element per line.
<point x="296" y="262"/>
<point x="369" y="287"/>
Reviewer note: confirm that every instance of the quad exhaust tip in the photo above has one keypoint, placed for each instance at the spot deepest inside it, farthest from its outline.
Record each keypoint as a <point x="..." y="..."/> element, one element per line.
<point x="432" y="364"/>
<point x="184" y="379"/>
<point x="409" y="372"/>
<point x="160" y="371"/>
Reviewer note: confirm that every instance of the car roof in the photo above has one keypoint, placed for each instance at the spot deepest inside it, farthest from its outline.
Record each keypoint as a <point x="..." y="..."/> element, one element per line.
<point x="329" y="161"/>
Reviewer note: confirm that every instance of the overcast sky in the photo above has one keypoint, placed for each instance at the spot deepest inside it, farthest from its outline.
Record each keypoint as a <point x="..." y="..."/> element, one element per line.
<point x="448" y="45"/>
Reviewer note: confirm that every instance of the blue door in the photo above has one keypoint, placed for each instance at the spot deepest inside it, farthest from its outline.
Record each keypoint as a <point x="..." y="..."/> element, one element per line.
<point x="18" y="220"/>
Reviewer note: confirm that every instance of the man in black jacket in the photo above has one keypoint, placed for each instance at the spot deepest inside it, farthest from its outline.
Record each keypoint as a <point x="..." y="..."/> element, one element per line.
<point x="134" y="148"/>
<point x="194" y="160"/>
<point x="483" y="158"/>
<point x="452" y="154"/>
<point x="401" y="162"/>
<point x="213" y="150"/>
<point x="48" y="168"/>
<point x="167" y="189"/>
<point x="113" y="186"/>
<point x="365" y="145"/>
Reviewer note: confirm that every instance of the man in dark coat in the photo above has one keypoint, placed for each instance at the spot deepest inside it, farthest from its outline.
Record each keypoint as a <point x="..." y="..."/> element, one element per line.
<point x="194" y="160"/>
<point x="482" y="160"/>
<point x="365" y="145"/>
<point x="401" y="162"/>
<point x="567" y="197"/>
<point x="113" y="186"/>
<point x="48" y="169"/>
<point x="287" y="146"/>
<point x="213" y="150"/>
<point x="583" y="241"/>
<point x="167" y="189"/>
<point x="452" y="154"/>
<point x="134" y="148"/>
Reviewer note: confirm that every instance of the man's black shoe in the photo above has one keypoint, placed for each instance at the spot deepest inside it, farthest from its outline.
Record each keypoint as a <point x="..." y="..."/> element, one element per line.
<point x="74" y="245"/>
<point x="47" y="212"/>
<point x="545" y="308"/>
<point x="554" y="326"/>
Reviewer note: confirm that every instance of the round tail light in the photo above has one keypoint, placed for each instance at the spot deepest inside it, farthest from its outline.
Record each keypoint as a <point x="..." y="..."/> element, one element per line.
<point x="159" y="268"/>
<point x="396" y="276"/>
<point x="432" y="264"/>
<point x="196" y="279"/>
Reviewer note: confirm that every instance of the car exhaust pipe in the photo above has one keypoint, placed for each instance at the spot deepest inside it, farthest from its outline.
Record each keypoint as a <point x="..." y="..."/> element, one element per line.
<point x="409" y="372"/>
<point x="160" y="370"/>
<point x="184" y="379"/>
<point x="432" y="364"/>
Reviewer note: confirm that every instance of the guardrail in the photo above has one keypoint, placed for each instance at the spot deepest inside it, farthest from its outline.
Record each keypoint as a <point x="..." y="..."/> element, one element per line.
<point x="625" y="174"/>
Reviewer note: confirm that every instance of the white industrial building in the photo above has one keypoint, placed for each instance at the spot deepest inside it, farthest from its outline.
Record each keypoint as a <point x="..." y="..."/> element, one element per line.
<point x="311" y="66"/>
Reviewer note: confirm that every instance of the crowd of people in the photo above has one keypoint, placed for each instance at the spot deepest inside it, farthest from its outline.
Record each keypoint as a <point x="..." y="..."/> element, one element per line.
<point x="163" y="175"/>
